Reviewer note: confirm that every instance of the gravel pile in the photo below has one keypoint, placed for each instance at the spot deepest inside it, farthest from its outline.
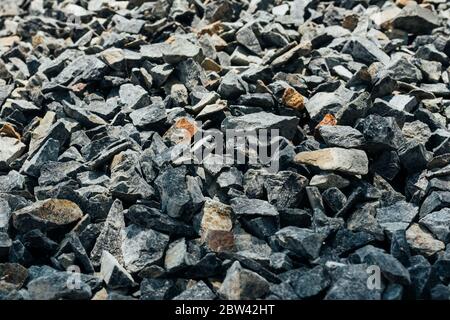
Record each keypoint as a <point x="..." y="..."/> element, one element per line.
<point x="105" y="106"/>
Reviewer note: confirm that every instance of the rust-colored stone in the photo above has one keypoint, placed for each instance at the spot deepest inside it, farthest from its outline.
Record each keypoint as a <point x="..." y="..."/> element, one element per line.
<point x="9" y="131"/>
<point x="328" y="120"/>
<point x="220" y="240"/>
<point x="213" y="28"/>
<point x="181" y="131"/>
<point x="293" y="99"/>
<point x="185" y="123"/>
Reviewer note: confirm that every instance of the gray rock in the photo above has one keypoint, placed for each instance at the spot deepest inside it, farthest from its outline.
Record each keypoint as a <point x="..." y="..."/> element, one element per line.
<point x="341" y="136"/>
<point x="251" y="207"/>
<point x="393" y="291"/>
<point x="328" y="180"/>
<point x="413" y="156"/>
<point x="122" y="24"/>
<point x="285" y="189"/>
<point x="11" y="150"/>
<point x="246" y="37"/>
<point x="13" y="181"/>
<point x="110" y="238"/>
<point x="83" y="68"/>
<point x="280" y="261"/>
<point x="262" y="120"/>
<point x="400" y="247"/>
<point x="416" y="19"/>
<point x="365" y="51"/>
<point x="420" y="270"/>
<point x="199" y="291"/>
<point x="380" y="132"/>
<point x="134" y="97"/>
<point x="429" y="52"/>
<point x="391" y="268"/>
<point x="402" y="69"/>
<point x="416" y="130"/>
<point x="48" y="152"/>
<point x="435" y="201"/>
<point x="71" y="244"/>
<point x="350" y="283"/>
<point x="153" y="218"/>
<point x="243" y="284"/>
<point x="231" y="178"/>
<point x="180" y="49"/>
<point x="180" y="197"/>
<point x="312" y="283"/>
<point x="438" y="222"/>
<point x="322" y="103"/>
<point x="141" y="247"/>
<point x="232" y="86"/>
<point x="334" y="199"/>
<point x="161" y="73"/>
<point x="5" y="244"/>
<point x="57" y="286"/>
<point x="114" y="275"/>
<point x="396" y="217"/>
<point x="178" y="256"/>
<point x="303" y="242"/>
<point x="149" y="117"/>
<point x="156" y="289"/>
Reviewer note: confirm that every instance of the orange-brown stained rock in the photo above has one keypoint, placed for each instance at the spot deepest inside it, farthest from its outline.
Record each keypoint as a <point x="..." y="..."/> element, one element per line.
<point x="220" y="240"/>
<point x="185" y="123"/>
<point x="328" y="120"/>
<point x="293" y="99"/>
<point x="181" y="131"/>
<point x="213" y="28"/>
<point x="8" y="131"/>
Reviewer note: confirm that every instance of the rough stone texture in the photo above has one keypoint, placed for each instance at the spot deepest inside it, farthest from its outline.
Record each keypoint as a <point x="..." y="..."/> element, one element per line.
<point x="197" y="149"/>
<point x="244" y="284"/>
<point x="46" y="215"/>
<point x="422" y="241"/>
<point x="114" y="275"/>
<point x="339" y="159"/>
<point x="109" y="238"/>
